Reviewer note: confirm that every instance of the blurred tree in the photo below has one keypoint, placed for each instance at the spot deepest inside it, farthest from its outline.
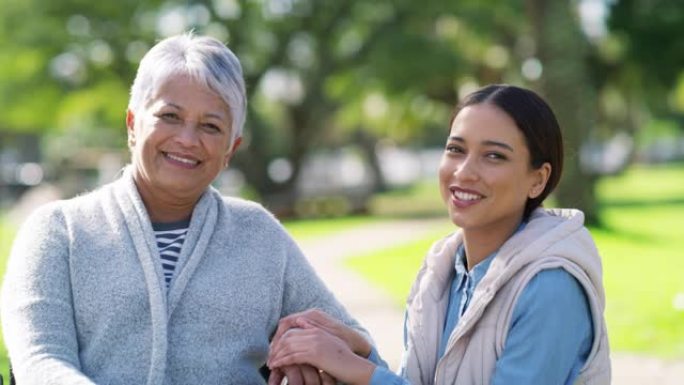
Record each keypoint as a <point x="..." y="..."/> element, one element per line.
<point x="66" y="65"/>
<point x="649" y="34"/>
<point x="563" y="50"/>
<point x="330" y="65"/>
<point x="318" y="72"/>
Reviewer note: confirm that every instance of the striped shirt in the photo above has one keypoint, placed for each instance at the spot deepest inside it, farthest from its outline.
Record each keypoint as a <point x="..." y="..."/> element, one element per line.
<point x="170" y="237"/>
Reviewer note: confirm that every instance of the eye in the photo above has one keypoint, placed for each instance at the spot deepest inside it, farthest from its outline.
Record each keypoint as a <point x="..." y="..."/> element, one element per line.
<point x="211" y="128"/>
<point x="170" y="117"/>
<point x="495" y="156"/>
<point x="454" y="149"/>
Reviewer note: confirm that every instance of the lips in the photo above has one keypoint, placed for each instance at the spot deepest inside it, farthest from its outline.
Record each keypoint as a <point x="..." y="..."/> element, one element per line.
<point x="463" y="197"/>
<point x="181" y="160"/>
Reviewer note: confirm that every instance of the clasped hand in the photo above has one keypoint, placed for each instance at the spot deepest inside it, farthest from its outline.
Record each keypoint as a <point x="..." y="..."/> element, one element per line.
<point x="313" y="348"/>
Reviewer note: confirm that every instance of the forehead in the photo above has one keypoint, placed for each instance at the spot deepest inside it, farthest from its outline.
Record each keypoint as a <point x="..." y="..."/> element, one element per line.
<point x="187" y="93"/>
<point x="486" y="122"/>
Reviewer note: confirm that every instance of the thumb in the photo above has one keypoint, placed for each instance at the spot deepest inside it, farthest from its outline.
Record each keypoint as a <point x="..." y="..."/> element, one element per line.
<point x="276" y="377"/>
<point x="305" y="323"/>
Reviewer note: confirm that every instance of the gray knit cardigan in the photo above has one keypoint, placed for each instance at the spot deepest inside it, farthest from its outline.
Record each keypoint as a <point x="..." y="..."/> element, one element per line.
<point x="84" y="301"/>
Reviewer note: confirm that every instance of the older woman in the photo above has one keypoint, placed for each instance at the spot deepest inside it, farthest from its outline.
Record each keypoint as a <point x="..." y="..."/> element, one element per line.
<point x="156" y="278"/>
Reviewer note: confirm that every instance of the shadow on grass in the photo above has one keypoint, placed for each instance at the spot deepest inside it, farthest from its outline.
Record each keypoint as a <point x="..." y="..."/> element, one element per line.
<point x="635" y="203"/>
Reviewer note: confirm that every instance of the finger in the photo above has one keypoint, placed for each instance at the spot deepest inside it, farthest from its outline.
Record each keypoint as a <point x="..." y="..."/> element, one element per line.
<point x="292" y="340"/>
<point x="327" y="379"/>
<point x="310" y="375"/>
<point x="276" y="377"/>
<point x="290" y="358"/>
<point x="295" y="352"/>
<point x="293" y="374"/>
<point x="284" y="325"/>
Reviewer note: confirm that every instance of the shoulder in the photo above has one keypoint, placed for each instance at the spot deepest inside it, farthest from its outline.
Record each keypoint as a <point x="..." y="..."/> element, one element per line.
<point x="550" y="290"/>
<point x="58" y="213"/>
<point x="551" y="283"/>
<point x="247" y="210"/>
<point x="243" y="206"/>
<point x="251" y="217"/>
<point x="45" y="216"/>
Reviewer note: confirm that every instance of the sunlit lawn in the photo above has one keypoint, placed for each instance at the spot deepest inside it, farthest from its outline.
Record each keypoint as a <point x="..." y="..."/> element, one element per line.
<point x="314" y="228"/>
<point x="642" y="246"/>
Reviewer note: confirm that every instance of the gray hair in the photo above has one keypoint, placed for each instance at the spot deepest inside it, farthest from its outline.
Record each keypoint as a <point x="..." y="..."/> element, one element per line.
<point x="206" y="60"/>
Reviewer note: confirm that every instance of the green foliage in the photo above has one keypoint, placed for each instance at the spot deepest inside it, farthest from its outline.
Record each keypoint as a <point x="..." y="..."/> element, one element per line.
<point x="640" y="245"/>
<point x="652" y="28"/>
<point x="67" y="61"/>
<point x="651" y="51"/>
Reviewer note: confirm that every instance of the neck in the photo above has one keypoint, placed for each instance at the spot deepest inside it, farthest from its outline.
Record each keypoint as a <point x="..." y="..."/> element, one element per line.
<point x="167" y="213"/>
<point x="162" y="208"/>
<point x="480" y="243"/>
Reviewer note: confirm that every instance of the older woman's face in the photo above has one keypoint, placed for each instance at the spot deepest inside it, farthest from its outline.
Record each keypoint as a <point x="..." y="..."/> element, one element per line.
<point x="180" y="140"/>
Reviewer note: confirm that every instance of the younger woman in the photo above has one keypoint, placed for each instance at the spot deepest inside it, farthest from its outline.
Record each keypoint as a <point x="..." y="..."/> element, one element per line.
<point x="514" y="296"/>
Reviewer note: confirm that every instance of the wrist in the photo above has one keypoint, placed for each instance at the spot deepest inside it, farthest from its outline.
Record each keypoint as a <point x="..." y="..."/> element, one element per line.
<point x="359" y="344"/>
<point x="362" y="371"/>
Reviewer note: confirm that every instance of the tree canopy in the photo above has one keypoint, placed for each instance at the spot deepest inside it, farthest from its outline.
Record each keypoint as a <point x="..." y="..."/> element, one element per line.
<point x="321" y="73"/>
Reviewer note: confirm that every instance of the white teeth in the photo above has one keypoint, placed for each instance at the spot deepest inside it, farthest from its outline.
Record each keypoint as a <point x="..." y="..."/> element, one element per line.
<point x="182" y="160"/>
<point x="465" y="196"/>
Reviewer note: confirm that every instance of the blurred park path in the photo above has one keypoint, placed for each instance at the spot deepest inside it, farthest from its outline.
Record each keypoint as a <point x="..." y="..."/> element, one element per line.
<point x="383" y="318"/>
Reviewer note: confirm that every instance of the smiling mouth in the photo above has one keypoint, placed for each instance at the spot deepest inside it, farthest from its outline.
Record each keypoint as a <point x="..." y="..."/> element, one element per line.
<point x="187" y="162"/>
<point x="462" y="198"/>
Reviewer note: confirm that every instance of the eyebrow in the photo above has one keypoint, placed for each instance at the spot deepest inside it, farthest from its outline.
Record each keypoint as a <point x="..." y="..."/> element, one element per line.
<point x="485" y="142"/>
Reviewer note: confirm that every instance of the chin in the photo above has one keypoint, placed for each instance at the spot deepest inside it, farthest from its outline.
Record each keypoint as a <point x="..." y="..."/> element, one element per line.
<point x="457" y="219"/>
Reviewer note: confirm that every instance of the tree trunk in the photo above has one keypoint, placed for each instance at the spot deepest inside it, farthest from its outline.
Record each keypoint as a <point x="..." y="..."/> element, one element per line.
<point x="562" y="50"/>
<point x="367" y="142"/>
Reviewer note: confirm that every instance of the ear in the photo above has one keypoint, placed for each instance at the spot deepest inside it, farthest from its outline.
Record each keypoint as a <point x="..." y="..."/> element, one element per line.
<point x="231" y="151"/>
<point x="130" y="127"/>
<point x="541" y="177"/>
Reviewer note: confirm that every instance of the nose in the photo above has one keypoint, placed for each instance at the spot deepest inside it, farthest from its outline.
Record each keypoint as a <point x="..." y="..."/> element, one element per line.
<point x="187" y="135"/>
<point x="467" y="169"/>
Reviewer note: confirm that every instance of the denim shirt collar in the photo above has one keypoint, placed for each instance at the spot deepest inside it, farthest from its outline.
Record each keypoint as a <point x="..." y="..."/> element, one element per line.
<point x="480" y="269"/>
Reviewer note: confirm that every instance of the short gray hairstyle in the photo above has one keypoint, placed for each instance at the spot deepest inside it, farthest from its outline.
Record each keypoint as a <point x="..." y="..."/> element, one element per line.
<point x="206" y="60"/>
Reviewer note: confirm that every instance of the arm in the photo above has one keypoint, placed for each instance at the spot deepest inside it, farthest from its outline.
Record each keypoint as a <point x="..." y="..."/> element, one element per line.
<point x="37" y="312"/>
<point x="304" y="290"/>
<point x="550" y="335"/>
<point x="316" y="347"/>
<point x="356" y="341"/>
<point x="315" y="338"/>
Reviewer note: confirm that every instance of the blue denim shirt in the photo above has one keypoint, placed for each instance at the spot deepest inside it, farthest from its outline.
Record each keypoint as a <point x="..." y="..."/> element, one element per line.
<point x="550" y="336"/>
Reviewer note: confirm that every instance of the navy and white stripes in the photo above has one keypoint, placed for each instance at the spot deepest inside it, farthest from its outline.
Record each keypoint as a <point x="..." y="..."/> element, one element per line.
<point x="170" y="237"/>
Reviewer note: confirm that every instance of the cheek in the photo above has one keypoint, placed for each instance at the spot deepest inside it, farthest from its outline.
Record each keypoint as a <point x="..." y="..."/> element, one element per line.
<point x="518" y="188"/>
<point x="444" y="175"/>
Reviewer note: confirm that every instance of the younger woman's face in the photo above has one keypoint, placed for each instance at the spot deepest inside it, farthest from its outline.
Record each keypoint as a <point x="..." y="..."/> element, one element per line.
<point x="485" y="174"/>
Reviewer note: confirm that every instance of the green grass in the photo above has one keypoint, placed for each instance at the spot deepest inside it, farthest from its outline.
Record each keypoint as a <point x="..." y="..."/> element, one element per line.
<point x="642" y="246"/>
<point x="641" y="243"/>
<point x="315" y="228"/>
